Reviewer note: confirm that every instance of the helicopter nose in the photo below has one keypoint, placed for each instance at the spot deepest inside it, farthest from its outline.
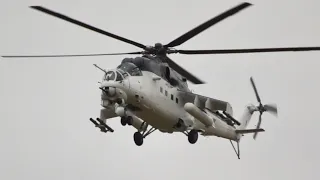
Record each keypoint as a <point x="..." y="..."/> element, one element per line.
<point x="113" y="94"/>
<point x="110" y="91"/>
<point x="113" y="90"/>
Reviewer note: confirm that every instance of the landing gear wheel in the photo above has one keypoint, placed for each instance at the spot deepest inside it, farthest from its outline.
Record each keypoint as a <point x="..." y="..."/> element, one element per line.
<point x="138" y="138"/>
<point x="193" y="136"/>
<point x="129" y="120"/>
<point x="123" y="121"/>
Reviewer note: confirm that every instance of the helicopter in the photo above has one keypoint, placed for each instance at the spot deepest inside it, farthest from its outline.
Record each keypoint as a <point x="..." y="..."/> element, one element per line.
<point x="150" y="92"/>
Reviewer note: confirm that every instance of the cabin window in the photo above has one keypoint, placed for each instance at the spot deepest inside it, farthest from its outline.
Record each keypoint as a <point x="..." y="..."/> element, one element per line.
<point x="177" y="101"/>
<point x="166" y="92"/>
<point x="161" y="89"/>
<point x="171" y="96"/>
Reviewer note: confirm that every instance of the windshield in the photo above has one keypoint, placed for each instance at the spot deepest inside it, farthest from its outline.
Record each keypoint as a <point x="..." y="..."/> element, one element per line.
<point x="113" y="76"/>
<point x="130" y="68"/>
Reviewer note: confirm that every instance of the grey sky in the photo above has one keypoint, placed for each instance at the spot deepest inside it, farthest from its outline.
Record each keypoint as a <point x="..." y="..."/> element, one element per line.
<point x="45" y="103"/>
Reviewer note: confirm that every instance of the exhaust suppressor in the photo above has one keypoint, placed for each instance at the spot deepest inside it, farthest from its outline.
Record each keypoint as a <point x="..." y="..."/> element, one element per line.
<point x="198" y="114"/>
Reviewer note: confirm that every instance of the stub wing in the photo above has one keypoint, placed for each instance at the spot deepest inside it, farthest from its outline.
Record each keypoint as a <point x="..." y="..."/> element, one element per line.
<point x="107" y="113"/>
<point x="101" y="122"/>
<point x="206" y="102"/>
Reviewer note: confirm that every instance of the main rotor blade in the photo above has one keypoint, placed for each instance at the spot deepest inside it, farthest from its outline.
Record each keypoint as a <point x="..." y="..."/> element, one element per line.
<point x="66" y="18"/>
<point x="185" y="37"/>
<point x="184" y="72"/>
<point x="240" y="51"/>
<point x="68" y="55"/>
<point x="255" y="89"/>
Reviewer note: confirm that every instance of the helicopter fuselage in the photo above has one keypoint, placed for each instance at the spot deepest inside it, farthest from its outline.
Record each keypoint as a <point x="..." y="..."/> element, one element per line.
<point x="153" y="100"/>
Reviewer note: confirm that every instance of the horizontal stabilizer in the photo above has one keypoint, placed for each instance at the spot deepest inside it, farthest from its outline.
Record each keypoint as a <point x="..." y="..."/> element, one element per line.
<point x="246" y="131"/>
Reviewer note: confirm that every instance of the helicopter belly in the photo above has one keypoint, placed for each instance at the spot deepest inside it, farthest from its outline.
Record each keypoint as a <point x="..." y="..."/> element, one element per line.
<point x="159" y="116"/>
<point x="161" y="113"/>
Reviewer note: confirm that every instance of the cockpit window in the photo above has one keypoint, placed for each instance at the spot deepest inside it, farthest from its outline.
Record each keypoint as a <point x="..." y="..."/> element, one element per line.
<point x="113" y="76"/>
<point x="110" y="76"/>
<point x="130" y="68"/>
<point x="119" y="77"/>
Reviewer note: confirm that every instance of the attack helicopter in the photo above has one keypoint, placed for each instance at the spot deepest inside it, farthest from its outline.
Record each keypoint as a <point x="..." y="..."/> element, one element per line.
<point x="150" y="92"/>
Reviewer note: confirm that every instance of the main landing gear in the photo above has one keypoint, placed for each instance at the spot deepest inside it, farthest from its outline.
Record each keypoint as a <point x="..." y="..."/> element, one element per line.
<point x="192" y="136"/>
<point x="138" y="136"/>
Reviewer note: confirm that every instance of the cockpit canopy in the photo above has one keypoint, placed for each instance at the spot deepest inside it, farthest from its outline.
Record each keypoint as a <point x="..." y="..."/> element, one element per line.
<point x="130" y="68"/>
<point x="113" y="75"/>
<point x="123" y="70"/>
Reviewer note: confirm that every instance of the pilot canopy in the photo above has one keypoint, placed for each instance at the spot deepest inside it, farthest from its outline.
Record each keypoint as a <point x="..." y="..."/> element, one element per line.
<point x="123" y="70"/>
<point x="113" y="75"/>
<point x="130" y="68"/>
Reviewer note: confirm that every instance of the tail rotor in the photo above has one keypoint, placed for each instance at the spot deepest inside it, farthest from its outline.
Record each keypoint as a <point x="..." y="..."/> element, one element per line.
<point x="271" y="108"/>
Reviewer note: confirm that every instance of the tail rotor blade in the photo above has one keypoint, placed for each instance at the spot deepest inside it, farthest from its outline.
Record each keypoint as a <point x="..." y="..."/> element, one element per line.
<point x="258" y="126"/>
<point x="271" y="108"/>
<point x="255" y="89"/>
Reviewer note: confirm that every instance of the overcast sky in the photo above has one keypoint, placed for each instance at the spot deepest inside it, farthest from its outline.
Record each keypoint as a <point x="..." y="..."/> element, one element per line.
<point x="45" y="104"/>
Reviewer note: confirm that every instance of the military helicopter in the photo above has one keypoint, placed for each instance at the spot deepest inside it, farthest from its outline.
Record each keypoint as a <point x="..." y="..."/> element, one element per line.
<point x="151" y="90"/>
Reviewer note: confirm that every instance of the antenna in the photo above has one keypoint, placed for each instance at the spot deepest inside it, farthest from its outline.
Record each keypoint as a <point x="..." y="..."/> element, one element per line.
<point x="100" y="68"/>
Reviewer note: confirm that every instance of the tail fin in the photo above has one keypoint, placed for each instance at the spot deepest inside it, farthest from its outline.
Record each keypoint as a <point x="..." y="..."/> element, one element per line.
<point x="244" y="122"/>
<point x="246" y="116"/>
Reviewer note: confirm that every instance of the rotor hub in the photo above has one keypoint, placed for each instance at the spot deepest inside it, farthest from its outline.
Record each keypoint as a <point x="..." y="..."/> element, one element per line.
<point x="261" y="108"/>
<point x="158" y="46"/>
<point x="157" y="49"/>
